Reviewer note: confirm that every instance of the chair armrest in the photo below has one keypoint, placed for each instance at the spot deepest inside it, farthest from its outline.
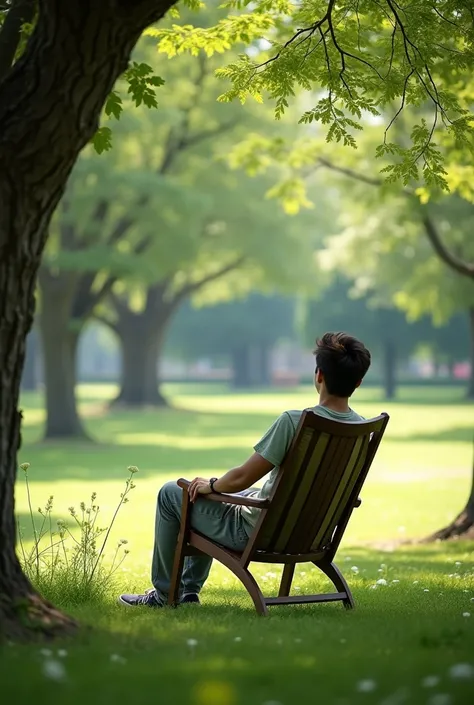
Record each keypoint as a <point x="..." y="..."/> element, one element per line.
<point x="228" y="498"/>
<point x="358" y="502"/>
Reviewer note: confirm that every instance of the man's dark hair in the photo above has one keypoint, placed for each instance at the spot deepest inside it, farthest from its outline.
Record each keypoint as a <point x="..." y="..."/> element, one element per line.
<point x="343" y="360"/>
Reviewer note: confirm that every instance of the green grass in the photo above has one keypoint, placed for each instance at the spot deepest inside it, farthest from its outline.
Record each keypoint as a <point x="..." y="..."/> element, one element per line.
<point x="398" y="634"/>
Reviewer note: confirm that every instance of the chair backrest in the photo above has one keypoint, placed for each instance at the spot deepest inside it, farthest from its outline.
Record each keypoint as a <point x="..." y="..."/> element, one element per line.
<point x="318" y="484"/>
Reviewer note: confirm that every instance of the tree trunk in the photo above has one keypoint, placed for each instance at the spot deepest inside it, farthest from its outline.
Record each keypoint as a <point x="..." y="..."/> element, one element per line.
<point x="141" y="347"/>
<point x="29" y="380"/>
<point x="142" y="335"/>
<point x="470" y="385"/>
<point x="50" y="104"/>
<point x="241" y="365"/>
<point x="463" y="525"/>
<point x="389" y="369"/>
<point x="60" y="336"/>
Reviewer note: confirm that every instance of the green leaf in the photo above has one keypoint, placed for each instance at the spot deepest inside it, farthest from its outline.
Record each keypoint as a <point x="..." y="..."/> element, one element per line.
<point x="102" y="140"/>
<point x="113" y="105"/>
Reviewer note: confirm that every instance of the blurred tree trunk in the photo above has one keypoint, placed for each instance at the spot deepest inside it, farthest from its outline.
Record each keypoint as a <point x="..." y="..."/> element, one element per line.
<point x="59" y="342"/>
<point x="142" y="335"/>
<point x="389" y="368"/>
<point x="241" y="366"/>
<point x="251" y="366"/>
<point x="29" y="379"/>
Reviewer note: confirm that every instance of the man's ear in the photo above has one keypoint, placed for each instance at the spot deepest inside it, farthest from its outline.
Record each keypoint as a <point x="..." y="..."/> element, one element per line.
<point x="320" y="377"/>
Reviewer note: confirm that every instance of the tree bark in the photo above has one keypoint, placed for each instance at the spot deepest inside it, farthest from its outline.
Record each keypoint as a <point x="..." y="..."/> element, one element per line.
<point x="389" y="369"/>
<point x="141" y="335"/>
<point x="50" y="104"/>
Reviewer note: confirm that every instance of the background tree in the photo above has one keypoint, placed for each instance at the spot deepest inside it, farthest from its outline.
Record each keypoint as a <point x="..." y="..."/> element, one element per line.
<point x="243" y="332"/>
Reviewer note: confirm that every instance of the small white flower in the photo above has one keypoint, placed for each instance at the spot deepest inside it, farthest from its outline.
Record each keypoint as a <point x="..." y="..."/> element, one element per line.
<point x="133" y="469"/>
<point x="430" y="681"/>
<point x="355" y="569"/>
<point x="54" y="669"/>
<point x="466" y="614"/>
<point x="373" y="587"/>
<point x="415" y="582"/>
<point x="62" y="653"/>
<point x="381" y="581"/>
<point x="192" y="643"/>
<point x="383" y="566"/>
<point x="426" y="590"/>
<point x="380" y="570"/>
<point x="440" y="699"/>
<point x="366" y="686"/>
<point x="461" y="671"/>
<point x="395" y="581"/>
<point x="238" y="638"/>
<point x="116" y="658"/>
<point x="458" y="563"/>
<point x="46" y="652"/>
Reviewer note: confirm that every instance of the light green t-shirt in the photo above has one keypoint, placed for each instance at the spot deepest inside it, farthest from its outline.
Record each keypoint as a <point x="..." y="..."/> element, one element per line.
<point x="274" y="445"/>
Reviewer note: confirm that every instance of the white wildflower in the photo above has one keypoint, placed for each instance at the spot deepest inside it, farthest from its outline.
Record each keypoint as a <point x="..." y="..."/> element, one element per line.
<point x="46" y="652"/>
<point x="133" y="469"/>
<point x="430" y="681"/>
<point x="426" y="590"/>
<point x="238" y="638"/>
<point x="373" y="587"/>
<point x="458" y="563"/>
<point x="381" y="581"/>
<point x="366" y="686"/>
<point x="395" y="581"/>
<point x="54" y="669"/>
<point x="62" y="653"/>
<point x="461" y="671"/>
<point x="415" y="582"/>
<point x="355" y="569"/>
<point x="192" y="643"/>
<point x="466" y="614"/>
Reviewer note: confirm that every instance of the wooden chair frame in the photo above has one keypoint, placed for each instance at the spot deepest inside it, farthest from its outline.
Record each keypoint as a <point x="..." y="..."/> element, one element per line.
<point x="191" y="542"/>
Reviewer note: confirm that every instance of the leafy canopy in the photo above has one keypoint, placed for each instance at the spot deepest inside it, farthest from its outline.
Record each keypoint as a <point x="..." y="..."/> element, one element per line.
<point x="355" y="58"/>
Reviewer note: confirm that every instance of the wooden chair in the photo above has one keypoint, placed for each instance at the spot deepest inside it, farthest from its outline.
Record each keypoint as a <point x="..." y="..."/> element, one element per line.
<point x="306" y="515"/>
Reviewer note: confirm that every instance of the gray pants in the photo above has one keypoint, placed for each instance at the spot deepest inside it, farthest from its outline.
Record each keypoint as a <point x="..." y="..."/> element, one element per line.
<point x="221" y="522"/>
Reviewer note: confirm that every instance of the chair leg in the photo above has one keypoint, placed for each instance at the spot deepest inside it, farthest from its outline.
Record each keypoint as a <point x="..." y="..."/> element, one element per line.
<point x="335" y="575"/>
<point x="178" y="564"/>
<point x="251" y="585"/>
<point x="286" y="579"/>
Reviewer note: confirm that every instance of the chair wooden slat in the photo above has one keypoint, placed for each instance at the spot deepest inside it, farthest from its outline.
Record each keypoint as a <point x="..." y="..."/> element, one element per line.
<point x="305" y="441"/>
<point x="327" y="475"/>
<point x="340" y="493"/>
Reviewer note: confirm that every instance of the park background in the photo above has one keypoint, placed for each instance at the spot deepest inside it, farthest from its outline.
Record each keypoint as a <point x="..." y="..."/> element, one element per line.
<point x="188" y="271"/>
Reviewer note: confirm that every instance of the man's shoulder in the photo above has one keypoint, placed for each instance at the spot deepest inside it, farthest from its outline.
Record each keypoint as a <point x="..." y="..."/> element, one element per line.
<point x="293" y="416"/>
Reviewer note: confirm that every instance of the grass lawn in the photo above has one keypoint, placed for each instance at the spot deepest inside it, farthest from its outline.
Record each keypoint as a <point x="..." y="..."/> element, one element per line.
<point x="399" y="635"/>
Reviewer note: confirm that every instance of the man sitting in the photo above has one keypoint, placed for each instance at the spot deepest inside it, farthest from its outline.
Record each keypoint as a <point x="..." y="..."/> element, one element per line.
<point x="341" y="363"/>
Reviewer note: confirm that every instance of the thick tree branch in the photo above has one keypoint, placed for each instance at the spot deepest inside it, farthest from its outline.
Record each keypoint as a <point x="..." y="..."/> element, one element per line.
<point x="459" y="265"/>
<point x="20" y="13"/>
<point x="192" y="287"/>
<point x="106" y="322"/>
<point x="448" y="257"/>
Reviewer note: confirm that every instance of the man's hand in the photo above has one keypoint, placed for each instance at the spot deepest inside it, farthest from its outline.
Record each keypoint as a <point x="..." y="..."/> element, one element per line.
<point x="198" y="486"/>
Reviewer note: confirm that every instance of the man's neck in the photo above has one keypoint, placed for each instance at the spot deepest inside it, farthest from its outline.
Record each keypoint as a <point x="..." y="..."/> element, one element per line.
<point x="340" y="404"/>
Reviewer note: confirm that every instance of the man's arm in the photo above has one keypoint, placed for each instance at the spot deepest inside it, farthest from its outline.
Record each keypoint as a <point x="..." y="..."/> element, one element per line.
<point x="235" y="480"/>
